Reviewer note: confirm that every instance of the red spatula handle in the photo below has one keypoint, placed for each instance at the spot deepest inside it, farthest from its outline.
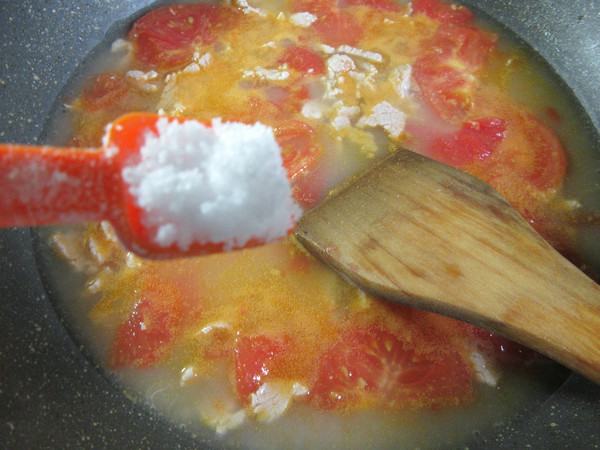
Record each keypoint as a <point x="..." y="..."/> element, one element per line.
<point x="45" y="185"/>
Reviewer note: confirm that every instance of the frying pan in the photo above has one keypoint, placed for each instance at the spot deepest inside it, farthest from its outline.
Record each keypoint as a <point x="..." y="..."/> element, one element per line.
<point x="51" y="394"/>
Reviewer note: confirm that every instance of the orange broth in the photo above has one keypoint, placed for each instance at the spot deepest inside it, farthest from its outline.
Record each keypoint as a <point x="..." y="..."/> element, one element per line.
<point x="267" y="346"/>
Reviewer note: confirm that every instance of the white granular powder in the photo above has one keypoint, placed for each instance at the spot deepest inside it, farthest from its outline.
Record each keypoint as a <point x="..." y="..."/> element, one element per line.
<point x="221" y="184"/>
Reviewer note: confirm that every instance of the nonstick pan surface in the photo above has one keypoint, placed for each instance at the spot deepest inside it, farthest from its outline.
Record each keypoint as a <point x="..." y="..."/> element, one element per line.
<point x="51" y="395"/>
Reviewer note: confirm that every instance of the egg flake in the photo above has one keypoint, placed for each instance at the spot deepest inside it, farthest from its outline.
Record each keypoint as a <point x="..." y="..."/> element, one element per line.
<point x="384" y="115"/>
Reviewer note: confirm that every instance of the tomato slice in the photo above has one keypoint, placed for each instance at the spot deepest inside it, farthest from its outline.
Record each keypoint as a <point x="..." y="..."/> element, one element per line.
<point x="547" y="167"/>
<point x="289" y="99"/>
<point x="105" y="89"/>
<point x="147" y="336"/>
<point x="303" y="60"/>
<point x="316" y="7"/>
<point x="164" y="37"/>
<point x="255" y="357"/>
<point x="531" y="159"/>
<point x="443" y="12"/>
<point x="301" y="156"/>
<point x="337" y="28"/>
<point x="384" y="5"/>
<point x="476" y="141"/>
<point x="373" y="367"/>
<point x="445" y="76"/>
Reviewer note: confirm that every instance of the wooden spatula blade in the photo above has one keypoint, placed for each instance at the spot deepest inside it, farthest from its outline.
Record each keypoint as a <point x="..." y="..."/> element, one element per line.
<point x="418" y="232"/>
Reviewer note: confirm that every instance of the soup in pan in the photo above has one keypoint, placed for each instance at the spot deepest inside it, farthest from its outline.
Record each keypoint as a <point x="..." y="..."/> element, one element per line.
<point x="266" y="346"/>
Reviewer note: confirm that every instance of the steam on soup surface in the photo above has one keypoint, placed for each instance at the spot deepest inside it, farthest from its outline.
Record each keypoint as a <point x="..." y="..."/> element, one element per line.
<point x="266" y="346"/>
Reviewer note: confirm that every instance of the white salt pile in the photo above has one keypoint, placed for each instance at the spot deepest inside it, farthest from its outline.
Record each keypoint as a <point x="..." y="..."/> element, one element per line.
<point x="223" y="183"/>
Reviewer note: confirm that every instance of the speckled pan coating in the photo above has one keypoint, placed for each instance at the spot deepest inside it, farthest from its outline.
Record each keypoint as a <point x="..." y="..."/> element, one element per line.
<point x="51" y="396"/>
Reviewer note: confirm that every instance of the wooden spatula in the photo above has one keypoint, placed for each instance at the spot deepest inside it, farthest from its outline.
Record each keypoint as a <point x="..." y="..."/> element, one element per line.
<point x="414" y="231"/>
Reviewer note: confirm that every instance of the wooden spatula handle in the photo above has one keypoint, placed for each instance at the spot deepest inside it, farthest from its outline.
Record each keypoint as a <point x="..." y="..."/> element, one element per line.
<point x="421" y="233"/>
<point x="44" y="185"/>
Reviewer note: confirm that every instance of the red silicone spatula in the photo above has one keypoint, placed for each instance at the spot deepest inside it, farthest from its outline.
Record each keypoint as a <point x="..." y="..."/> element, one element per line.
<point x="50" y="185"/>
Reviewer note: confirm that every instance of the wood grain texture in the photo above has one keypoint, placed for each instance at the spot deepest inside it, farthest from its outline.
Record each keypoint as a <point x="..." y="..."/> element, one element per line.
<point x="418" y="232"/>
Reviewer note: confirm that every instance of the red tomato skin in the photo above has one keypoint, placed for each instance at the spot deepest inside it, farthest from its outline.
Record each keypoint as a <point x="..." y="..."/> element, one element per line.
<point x="533" y="161"/>
<point x="476" y="141"/>
<point x="445" y="75"/>
<point x="443" y="12"/>
<point x="469" y="45"/>
<point x="295" y="138"/>
<point x="445" y="89"/>
<point x="301" y="156"/>
<point x="146" y="337"/>
<point x="254" y="359"/>
<point x="164" y="37"/>
<point x="548" y="169"/>
<point x="303" y="60"/>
